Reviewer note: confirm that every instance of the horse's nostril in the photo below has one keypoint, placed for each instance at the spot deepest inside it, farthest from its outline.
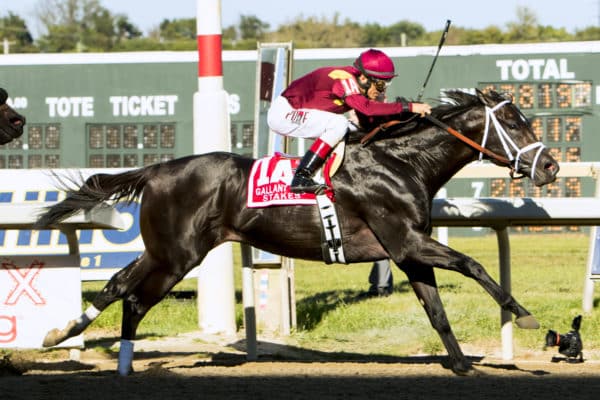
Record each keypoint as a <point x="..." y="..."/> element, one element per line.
<point x="16" y="121"/>
<point x="552" y="168"/>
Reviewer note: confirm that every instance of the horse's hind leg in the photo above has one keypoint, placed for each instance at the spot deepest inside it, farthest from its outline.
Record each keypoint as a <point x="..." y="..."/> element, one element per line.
<point x="148" y="293"/>
<point x="422" y="280"/>
<point x="119" y="285"/>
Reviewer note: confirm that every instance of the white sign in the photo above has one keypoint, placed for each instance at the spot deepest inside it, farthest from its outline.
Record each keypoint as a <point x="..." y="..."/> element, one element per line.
<point x="38" y="294"/>
<point x="534" y="69"/>
<point x="121" y="106"/>
<point x="70" y="107"/>
<point x="136" y="106"/>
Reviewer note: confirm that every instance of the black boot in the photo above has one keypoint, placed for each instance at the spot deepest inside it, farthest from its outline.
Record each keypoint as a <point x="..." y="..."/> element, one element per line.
<point x="302" y="181"/>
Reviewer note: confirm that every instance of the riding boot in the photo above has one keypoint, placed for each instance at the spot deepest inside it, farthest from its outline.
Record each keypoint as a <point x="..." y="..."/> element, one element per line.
<point x="310" y="163"/>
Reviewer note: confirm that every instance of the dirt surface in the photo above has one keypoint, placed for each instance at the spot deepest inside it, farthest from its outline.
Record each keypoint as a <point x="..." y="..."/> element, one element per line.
<point x="195" y="366"/>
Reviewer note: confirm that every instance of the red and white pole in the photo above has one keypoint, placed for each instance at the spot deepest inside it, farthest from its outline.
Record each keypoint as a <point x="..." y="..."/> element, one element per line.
<point x="216" y="294"/>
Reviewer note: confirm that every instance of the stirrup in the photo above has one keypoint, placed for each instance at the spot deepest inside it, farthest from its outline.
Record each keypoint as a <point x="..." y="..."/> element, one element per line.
<point x="302" y="184"/>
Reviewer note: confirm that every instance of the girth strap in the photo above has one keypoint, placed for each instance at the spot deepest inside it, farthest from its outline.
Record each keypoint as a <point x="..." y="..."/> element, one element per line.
<point x="331" y="244"/>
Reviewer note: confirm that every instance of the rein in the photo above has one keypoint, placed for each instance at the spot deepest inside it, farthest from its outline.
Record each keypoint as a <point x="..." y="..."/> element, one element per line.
<point x="511" y="161"/>
<point x="468" y="141"/>
<point x="365" y="140"/>
<point x="383" y="127"/>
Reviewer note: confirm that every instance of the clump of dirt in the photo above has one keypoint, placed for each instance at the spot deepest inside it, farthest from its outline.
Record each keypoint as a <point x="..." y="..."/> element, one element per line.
<point x="7" y="368"/>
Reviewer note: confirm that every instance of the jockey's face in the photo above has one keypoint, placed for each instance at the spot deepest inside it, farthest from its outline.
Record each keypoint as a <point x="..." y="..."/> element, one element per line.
<point x="373" y="89"/>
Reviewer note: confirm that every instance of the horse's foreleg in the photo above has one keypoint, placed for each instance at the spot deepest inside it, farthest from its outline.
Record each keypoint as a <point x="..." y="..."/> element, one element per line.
<point x="437" y="255"/>
<point x="471" y="268"/>
<point x="422" y="280"/>
<point x="120" y="283"/>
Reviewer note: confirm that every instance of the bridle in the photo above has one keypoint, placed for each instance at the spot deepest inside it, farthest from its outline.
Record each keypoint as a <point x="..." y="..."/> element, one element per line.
<point x="507" y="143"/>
<point x="510" y="160"/>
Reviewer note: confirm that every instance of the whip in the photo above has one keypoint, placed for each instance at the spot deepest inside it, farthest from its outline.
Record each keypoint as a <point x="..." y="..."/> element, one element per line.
<point x="442" y="40"/>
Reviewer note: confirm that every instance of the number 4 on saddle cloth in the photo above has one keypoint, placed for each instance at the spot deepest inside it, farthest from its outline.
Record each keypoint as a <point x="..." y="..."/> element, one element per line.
<point x="269" y="185"/>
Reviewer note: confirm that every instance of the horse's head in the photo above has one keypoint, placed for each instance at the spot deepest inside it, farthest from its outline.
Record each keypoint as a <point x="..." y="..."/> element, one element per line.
<point x="506" y="132"/>
<point x="11" y="122"/>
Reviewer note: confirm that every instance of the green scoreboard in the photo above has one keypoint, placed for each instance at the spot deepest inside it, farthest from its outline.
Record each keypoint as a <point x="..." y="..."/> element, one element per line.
<point x="133" y="109"/>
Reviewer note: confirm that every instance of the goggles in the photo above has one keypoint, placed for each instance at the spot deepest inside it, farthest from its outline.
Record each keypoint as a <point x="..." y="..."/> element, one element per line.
<point x="380" y="84"/>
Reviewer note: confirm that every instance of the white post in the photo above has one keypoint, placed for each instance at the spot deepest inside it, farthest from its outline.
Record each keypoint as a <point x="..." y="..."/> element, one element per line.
<point x="505" y="281"/>
<point x="216" y="296"/>
<point x="442" y="231"/>
<point x="588" y="284"/>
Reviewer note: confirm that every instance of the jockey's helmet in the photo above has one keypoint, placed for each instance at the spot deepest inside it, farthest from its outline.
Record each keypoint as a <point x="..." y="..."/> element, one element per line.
<point x="375" y="64"/>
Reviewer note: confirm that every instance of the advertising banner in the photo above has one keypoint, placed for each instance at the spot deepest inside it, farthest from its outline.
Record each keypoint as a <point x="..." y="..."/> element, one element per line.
<point x="38" y="294"/>
<point x="103" y="252"/>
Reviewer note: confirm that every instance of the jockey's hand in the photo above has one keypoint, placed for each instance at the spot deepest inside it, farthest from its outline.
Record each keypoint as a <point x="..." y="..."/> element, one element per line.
<point x="422" y="109"/>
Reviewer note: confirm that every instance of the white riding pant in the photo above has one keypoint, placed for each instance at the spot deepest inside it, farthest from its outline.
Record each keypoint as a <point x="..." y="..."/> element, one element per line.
<point x="285" y="120"/>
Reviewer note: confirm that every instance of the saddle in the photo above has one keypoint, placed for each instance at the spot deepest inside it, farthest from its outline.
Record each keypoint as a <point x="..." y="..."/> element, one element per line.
<point x="270" y="178"/>
<point x="269" y="185"/>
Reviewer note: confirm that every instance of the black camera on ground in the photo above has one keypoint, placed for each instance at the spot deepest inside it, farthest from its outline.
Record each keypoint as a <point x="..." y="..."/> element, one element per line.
<point x="569" y="344"/>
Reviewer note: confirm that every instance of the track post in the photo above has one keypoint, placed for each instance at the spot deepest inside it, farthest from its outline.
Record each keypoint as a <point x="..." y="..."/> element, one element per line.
<point x="505" y="282"/>
<point x="588" y="284"/>
<point x="216" y="295"/>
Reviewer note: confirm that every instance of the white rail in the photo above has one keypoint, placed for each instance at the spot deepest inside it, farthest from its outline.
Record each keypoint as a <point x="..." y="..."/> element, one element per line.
<point x="501" y="213"/>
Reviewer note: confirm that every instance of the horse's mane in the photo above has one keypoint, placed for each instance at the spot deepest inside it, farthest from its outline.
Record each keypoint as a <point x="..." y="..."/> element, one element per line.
<point x="454" y="102"/>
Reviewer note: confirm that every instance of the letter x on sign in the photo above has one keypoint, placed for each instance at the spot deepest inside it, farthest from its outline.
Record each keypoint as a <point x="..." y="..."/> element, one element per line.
<point x="24" y="279"/>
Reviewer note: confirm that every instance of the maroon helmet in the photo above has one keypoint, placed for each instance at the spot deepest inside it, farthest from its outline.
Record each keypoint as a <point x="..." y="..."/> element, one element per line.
<point x="375" y="64"/>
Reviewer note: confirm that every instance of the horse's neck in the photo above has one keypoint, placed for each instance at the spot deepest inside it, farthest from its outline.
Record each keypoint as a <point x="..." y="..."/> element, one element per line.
<point x="447" y="157"/>
<point x="432" y="156"/>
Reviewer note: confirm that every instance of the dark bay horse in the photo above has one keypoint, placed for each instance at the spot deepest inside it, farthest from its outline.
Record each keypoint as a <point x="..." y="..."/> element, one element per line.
<point x="383" y="191"/>
<point x="11" y="122"/>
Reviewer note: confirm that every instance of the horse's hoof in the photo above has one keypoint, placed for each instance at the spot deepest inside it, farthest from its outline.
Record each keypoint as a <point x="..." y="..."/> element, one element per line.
<point x="469" y="372"/>
<point x="460" y="367"/>
<point x="527" y="322"/>
<point x="463" y="369"/>
<point x="51" y="338"/>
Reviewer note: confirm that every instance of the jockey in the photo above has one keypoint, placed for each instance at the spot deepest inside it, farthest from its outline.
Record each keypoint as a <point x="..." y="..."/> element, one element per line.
<point x="313" y="105"/>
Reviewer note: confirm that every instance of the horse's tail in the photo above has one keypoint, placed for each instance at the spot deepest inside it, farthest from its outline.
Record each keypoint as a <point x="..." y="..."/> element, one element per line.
<point x="95" y="190"/>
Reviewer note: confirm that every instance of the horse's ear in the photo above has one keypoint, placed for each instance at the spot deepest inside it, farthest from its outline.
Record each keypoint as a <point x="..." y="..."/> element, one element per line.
<point x="508" y="96"/>
<point x="3" y="96"/>
<point x="491" y="98"/>
<point x="484" y="98"/>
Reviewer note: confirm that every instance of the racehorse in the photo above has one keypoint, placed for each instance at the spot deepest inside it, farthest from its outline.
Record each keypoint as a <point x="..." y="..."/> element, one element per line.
<point x="383" y="195"/>
<point x="11" y="122"/>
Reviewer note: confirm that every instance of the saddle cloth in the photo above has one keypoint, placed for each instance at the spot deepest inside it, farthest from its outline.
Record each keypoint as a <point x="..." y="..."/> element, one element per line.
<point x="270" y="178"/>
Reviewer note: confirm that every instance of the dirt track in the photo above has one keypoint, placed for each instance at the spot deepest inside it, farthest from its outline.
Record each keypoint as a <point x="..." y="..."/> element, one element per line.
<point x="192" y="367"/>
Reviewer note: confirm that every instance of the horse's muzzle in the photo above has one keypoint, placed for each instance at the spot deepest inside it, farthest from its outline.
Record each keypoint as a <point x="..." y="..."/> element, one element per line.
<point x="11" y="124"/>
<point x="546" y="170"/>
